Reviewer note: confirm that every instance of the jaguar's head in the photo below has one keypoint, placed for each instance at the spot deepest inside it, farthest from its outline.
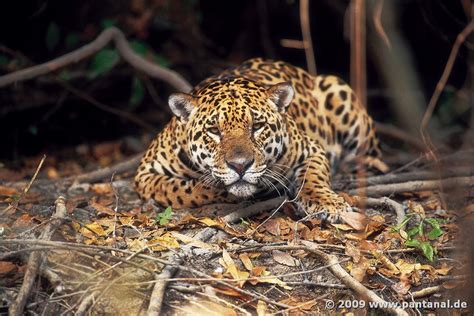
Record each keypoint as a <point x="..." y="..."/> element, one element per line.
<point x="235" y="130"/>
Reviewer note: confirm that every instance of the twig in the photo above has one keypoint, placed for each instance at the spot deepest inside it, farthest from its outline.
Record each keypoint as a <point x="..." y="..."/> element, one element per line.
<point x="442" y="83"/>
<point x="391" y="178"/>
<point x="86" y="303"/>
<point x="36" y="258"/>
<point x="348" y="280"/>
<point x="385" y="201"/>
<point x="306" y="33"/>
<point x="15" y="203"/>
<point x="415" y="186"/>
<point x="254" y="209"/>
<point x="123" y="47"/>
<point x="377" y="18"/>
<point x="425" y="292"/>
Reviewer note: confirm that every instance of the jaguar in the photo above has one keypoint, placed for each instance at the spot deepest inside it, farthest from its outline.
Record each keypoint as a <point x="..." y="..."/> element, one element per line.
<point x="260" y="128"/>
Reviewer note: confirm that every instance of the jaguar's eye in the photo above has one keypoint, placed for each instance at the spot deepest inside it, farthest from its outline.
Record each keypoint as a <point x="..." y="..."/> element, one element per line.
<point x="214" y="130"/>
<point x="257" y="126"/>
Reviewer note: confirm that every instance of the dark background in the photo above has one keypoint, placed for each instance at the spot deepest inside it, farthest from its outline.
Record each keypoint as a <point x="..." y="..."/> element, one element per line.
<point x="195" y="38"/>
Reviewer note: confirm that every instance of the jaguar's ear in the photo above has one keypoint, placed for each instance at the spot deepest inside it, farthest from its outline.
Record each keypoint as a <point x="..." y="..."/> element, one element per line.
<point x="281" y="95"/>
<point x="181" y="104"/>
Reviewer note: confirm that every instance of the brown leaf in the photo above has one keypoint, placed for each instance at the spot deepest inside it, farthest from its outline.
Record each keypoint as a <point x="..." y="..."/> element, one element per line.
<point x="273" y="227"/>
<point x="353" y="252"/>
<point x="7" y="191"/>
<point x="246" y="261"/>
<point x="102" y="188"/>
<point x="102" y="209"/>
<point x="403" y="286"/>
<point x="6" y="267"/>
<point x="356" y="220"/>
<point x="284" y="258"/>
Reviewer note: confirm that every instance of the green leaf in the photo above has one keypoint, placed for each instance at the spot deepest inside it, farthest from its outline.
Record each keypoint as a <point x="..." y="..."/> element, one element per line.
<point x="103" y="61"/>
<point x="52" y="36"/>
<point x="435" y="233"/>
<point x="402" y="224"/>
<point x="72" y="39"/>
<point x="434" y="222"/>
<point x="414" y="231"/>
<point x="428" y="250"/>
<point x="138" y="92"/>
<point x="164" y="217"/>
<point x="139" y="47"/>
<point x="414" y="243"/>
<point x="420" y="229"/>
<point x="106" y="23"/>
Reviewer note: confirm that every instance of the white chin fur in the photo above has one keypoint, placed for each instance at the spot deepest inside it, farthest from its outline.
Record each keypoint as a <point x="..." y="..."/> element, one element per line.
<point x="242" y="189"/>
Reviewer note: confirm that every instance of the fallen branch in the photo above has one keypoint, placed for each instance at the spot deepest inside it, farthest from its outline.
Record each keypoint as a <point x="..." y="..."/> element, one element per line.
<point x="124" y="49"/>
<point x="385" y="201"/>
<point x="391" y="178"/>
<point x="36" y="258"/>
<point x="349" y="281"/>
<point x="425" y="292"/>
<point x="86" y="303"/>
<point x="105" y="173"/>
<point x="415" y="186"/>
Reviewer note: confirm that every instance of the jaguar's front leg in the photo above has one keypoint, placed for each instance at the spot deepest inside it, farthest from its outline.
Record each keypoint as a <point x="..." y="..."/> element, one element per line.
<point x="314" y="194"/>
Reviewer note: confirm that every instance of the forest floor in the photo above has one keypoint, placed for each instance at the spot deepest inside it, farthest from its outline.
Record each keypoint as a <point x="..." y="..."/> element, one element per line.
<point x="72" y="241"/>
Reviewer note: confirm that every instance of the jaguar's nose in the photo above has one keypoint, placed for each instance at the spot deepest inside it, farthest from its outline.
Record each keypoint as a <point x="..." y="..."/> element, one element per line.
<point x="240" y="165"/>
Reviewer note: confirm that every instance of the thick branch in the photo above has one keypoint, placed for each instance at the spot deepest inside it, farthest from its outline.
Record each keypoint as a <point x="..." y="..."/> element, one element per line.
<point x="36" y="258"/>
<point x="124" y="49"/>
<point x="415" y="186"/>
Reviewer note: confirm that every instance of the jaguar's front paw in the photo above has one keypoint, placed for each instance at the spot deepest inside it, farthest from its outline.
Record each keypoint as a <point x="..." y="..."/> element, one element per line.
<point x="328" y="209"/>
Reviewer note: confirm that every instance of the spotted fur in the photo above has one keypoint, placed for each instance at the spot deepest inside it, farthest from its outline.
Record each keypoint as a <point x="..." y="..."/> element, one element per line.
<point x="262" y="127"/>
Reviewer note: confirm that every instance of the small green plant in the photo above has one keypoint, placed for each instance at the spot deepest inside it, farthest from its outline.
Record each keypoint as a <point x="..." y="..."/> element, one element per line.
<point x="421" y="235"/>
<point x="164" y="217"/>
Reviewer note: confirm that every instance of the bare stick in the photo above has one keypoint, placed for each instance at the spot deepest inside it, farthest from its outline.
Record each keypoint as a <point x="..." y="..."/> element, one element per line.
<point x="348" y="280"/>
<point x="15" y="203"/>
<point x="123" y="47"/>
<point x="36" y="258"/>
<point x="103" y="173"/>
<point x="385" y="201"/>
<point x="306" y="32"/>
<point x="391" y="178"/>
<point x="442" y="83"/>
<point x="425" y="292"/>
<point x="86" y="303"/>
<point x="415" y="186"/>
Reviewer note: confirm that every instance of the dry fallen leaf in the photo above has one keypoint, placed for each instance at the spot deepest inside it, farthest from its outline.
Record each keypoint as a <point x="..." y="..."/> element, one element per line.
<point x="356" y="220"/>
<point x="261" y="308"/>
<point x="102" y="209"/>
<point x="6" y="267"/>
<point x="246" y="261"/>
<point x="284" y="258"/>
<point x="205" y="308"/>
<point x="7" y="191"/>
